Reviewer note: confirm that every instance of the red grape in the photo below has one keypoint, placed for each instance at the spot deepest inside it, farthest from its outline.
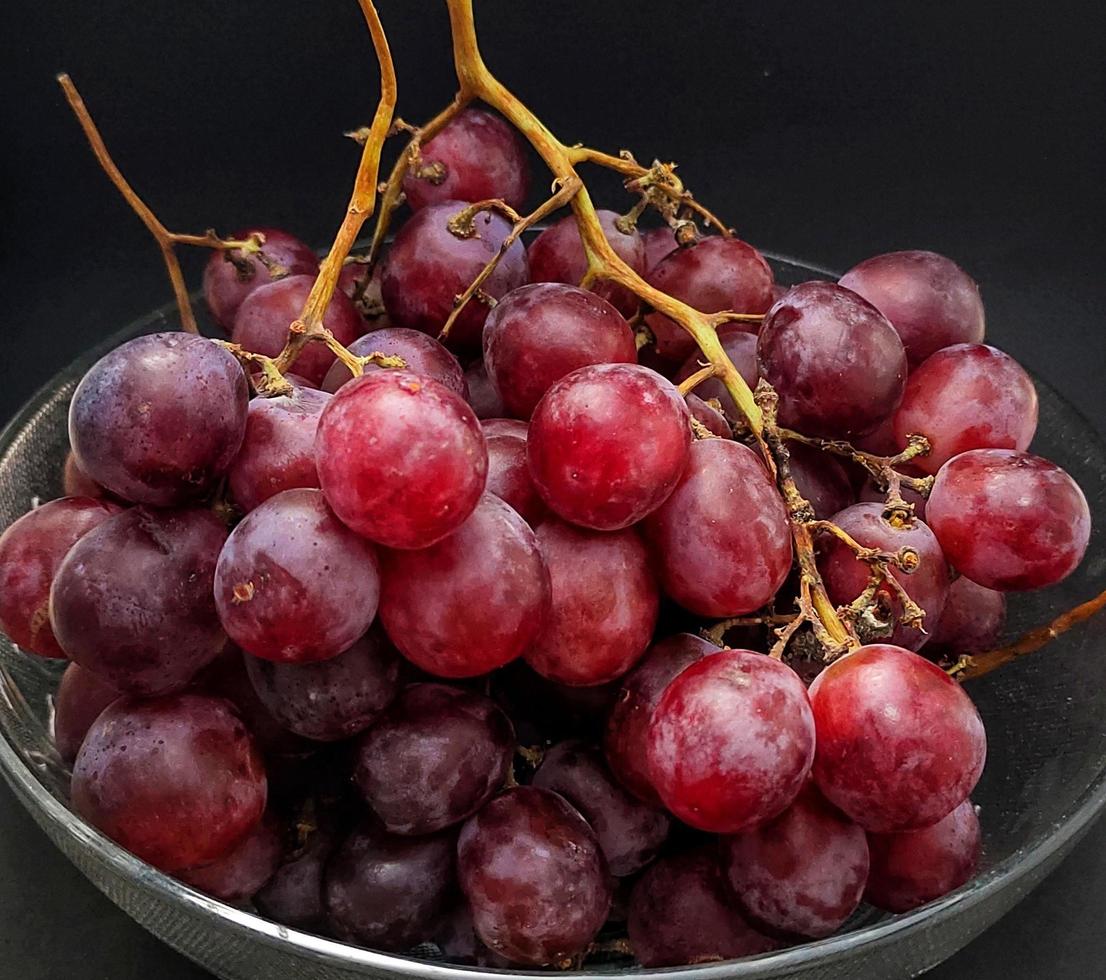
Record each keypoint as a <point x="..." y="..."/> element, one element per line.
<point x="836" y="363"/>
<point x="241" y="872"/>
<point x="159" y="419"/>
<point x="899" y="742"/>
<point x="713" y="420"/>
<point x="973" y="619"/>
<point x="681" y="913"/>
<point x="424" y="356"/>
<point x="401" y="459"/>
<point x="538" y="334"/>
<point x="177" y="780"/>
<point x="132" y="601"/>
<point x="586" y="438"/>
<point x="472" y="602"/>
<point x="659" y="244"/>
<point x="386" y="891"/>
<point x="929" y="299"/>
<point x="481" y="157"/>
<point x="846" y="576"/>
<point x="80" y="698"/>
<point x="821" y="479"/>
<point x="434" y="758"/>
<point x="278" y="452"/>
<point x="557" y="255"/>
<point x="712" y="275"/>
<point x="913" y="868"/>
<point x="626" y="736"/>
<point x="1008" y="520"/>
<point x="293" y="896"/>
<point x="31" y="549"/>
<point x="261" y="324"/>
<point x="967" y="397"/>
<point x="731" y="741"/>
<point x="76" y="482"/>
<point x="802" y="874"/>
<point x="508" y="471"/>
<point x="482" y="396"/>
<point x="330" y="699"/>
<point x="741" y="347"/>
<point x="629" y="832"/>
<point x="604" y="605"/>
<point x="534" y="875"/>
<point x="721" y="542"/>
<point x="231" y="274"/>
<point x="428" y="267"/>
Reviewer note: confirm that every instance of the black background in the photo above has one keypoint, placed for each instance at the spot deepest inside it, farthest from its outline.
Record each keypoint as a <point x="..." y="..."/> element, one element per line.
<point x="825" y="131"/>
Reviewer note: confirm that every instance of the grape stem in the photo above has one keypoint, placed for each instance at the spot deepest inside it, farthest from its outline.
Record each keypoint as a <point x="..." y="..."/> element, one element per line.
<point x="693" y="381"/>
<point x="715" y="634"/>
<point x="883" y="469"/>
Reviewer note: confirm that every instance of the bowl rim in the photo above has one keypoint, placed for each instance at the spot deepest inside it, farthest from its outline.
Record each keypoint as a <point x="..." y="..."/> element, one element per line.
<point x="44" y="806"/>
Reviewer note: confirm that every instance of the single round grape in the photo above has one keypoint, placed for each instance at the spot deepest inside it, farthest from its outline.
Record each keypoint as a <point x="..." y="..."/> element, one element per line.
<point x="80" y="698"/>
<point x="973" y="619"/>
<point x="534" y="876"/>
<point x="709" y="417"/>
<point x="241" y="872"/>
<point x="401" y="459"/>
<point x="626" y="739"/>
<point x="482" y="396"/>
<point x="929" y="299"/>
<point x="914" y="868"/>
<point x="741" y="347"/>
<point x="557" y="255"/>
<point x="712" y="275"/>
<point x="1009" y="520"/>
<point x="604" y="604"/>
<point x="836" y="363"/>
<point x="75" y="482"/>
<point x="899" y="742"/>
<point x="731" y="741"/>
<point x="31" y="549"/>
<point x="386" y="891"/>
<point x="293" y="583"/>
<point x="721" y="542"/>
<point x="629" y="832"/>
<point x="474" y="157"/>
<point x="846" y="576"/>
<point x="472" y="602"/>
<point x="132" y="601"/>
<point x="423" y="355"/>
<point x="659" y="244"/>
<point x="538" y="334"/>
<point x="232" y="274"/>
<point x="428" y="266"/>
<point x="872" y="494"/>
<point x="261" y="324"/>
<point x="159" y="419"/>
<point x="681" y="914"/>
<point x="293" y="896"/>
<point x="176" y="780"/>
<point x="508" y="470"/>
<point x="278" y="452"/>
<point x="433" y="758"/>
<point x="803" y="874"/>
<point x="821" y="479"/>
<point x="967" y="397"/>
<point x="586" y="444"/>
<point x="330" y="699"/>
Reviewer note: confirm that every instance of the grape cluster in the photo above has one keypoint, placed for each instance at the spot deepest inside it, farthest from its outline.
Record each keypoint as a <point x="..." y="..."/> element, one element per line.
<point x="411" y="657"/>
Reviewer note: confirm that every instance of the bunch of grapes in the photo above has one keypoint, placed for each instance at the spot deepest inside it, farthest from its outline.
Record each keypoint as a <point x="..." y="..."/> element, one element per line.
<point x="434" y="654"/>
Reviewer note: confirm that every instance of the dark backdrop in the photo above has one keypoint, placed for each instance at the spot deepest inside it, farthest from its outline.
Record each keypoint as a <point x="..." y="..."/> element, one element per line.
<point x="826" y="131"/>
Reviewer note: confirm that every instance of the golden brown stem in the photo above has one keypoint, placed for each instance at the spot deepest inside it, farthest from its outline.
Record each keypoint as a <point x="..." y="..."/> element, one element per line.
<point x="877" y="466"/>
<point x="693" y="381"/>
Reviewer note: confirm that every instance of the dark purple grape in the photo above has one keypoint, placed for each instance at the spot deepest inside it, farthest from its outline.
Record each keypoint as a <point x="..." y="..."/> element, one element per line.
<point x="972" y="620"/>
<point x="482" y="396"/>
<point x="433" y="758"/>
<point x="659" y="244"/>
<point x="80" y="698"/>
<point x="278" y="452"/>
<point x="681" y="914"/>
<point x="604" y="604"/>
<point x="293" y="896"/>
<point x="31" y="549"/>
<point x="821" y="479"/>
<point x="293" y="583"/>
<point x="428" y="266"/>
<point x="231" y="274"/>
<point x="401" y="459"/>
<point x="177" y="780"/>
<point x="629" y="832"/>
<point x="836" y="363"/>
<point x="241" y="872"/>
<point x="159" y="419"/>
<point x="424" y="356"/>
<point x="385" y="891"/>
<point x="545" y="711"/>
<point x="508" y="470"/>
<point x="741" y="347"/>
<point x="330" y="699"/>
<point x="474" y="157"/>
<point x="132" y="601"/>
<point x="557" y="255"/>
<point x="534" y="875"/>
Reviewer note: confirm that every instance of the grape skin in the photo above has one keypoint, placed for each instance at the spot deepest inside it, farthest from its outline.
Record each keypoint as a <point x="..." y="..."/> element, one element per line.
<point x="713" y="420"/>
<point x="820" y="479"/>
<point x="423" y="356"/>
<point x="482" y="396"/>
<point x="293" y="895"/>
<point x="508" y="470"/>
<point x="76" y="482"/>
<point x="79" y="701"/>
<point x="972" y="620"/>
<point x="241" y="872"/>
<point x="659" y="244"/>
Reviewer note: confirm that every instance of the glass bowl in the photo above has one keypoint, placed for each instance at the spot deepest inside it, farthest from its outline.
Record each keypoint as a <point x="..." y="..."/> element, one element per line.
<point x="1044" y="783"/>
